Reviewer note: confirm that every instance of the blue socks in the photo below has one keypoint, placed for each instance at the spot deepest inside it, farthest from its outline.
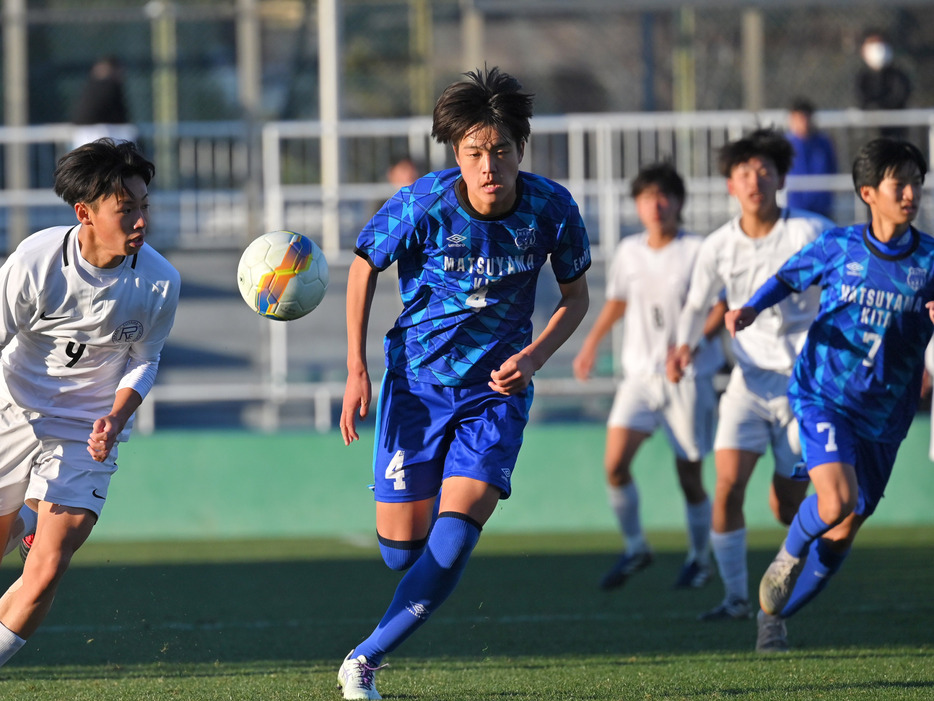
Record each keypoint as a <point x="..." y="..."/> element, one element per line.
<point x="822" y="564"/>
<point x="400" y="554"/>
<point x="806" y="526"/>
<point x="425" y="586"/>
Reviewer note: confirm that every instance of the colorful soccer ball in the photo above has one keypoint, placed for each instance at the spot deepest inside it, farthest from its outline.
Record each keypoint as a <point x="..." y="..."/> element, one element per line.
<point x="282" y="275"/>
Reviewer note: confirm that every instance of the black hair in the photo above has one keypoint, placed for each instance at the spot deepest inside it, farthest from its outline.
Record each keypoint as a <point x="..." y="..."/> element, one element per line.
<point x="662" y="175"/>
<point x="100" y="169"/>
<point x="765" y="142"/>
<point x="874" y="32"/>
<point x="803" y="105"/>
<point x="488" y="99"/>
<point x="882" y="157"/>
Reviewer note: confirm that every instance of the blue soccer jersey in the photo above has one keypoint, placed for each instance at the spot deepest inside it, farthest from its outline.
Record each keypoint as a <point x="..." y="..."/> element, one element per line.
<point x="864" y="353"/>
<point x="468" y="282"/>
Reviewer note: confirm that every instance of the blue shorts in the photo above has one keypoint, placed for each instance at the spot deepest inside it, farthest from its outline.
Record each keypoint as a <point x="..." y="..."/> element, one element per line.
<point x="828" y="437"/>
<point x="426" y="433"/>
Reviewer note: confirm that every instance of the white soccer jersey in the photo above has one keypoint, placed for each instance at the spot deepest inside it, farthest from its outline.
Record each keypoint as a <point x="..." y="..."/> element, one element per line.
<point x="653" y="282"/>
<point x="732" y="261"/>
<point x="71" y="334"/>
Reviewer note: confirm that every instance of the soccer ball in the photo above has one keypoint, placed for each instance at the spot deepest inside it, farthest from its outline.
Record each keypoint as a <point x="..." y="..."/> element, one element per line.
<point x="282" y="275"/>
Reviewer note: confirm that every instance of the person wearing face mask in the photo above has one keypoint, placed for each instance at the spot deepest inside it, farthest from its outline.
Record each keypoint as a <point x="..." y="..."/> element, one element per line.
<point x="881" y="85"/>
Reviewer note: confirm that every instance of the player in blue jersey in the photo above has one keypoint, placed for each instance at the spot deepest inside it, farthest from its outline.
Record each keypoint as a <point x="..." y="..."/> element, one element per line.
<point x="856" y="383"/>
<point x="468" y="243"/>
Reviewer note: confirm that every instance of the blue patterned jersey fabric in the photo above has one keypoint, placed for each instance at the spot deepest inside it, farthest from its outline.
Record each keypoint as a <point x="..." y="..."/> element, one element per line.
<point x="468" y="282"/>
<point x="864" y="353"/>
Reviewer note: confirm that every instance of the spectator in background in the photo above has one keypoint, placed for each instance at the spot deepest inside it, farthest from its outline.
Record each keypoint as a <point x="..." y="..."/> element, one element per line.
<point x="814" y="155"/>
<point x="101" y="109"/>
<point x="880" y="85"/>
<point x="402" y="173"/>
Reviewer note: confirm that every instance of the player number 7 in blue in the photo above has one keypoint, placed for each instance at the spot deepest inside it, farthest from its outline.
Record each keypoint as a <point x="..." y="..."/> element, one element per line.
<point x="395" y="470"/>
<point x="875" y="340"/>
<point x="831" y="445"/>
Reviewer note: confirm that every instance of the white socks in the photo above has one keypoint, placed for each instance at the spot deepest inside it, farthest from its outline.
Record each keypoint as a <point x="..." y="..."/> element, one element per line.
<point x="625" y="504"/>
<point x="698" y="520"/>
<point x="730" y="551"/>
<point x="10" y="643"/>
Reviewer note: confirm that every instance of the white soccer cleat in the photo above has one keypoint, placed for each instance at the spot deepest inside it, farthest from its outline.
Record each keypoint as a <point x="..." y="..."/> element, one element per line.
<point x="772" y="636"/>
<point x="779" y="581"/>
<point x="355" y="678"/>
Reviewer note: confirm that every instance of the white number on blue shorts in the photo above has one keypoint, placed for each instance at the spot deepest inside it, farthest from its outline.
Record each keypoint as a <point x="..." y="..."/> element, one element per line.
<point x="395" y="470"/>
<point x="831" y="446"/>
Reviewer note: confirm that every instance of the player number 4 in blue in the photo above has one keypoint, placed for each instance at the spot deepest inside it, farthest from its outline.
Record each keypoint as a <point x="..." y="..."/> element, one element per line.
<point x="395" y="470"/>
<point x="478" y="299"/>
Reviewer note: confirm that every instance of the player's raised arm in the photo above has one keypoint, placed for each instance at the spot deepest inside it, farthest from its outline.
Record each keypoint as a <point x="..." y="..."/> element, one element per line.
<point x="515" y="374"/>
<point x="739" y="319"/>
<point x="361" y="284"/>
<point x="613" y="310"/>
<point x="773" y="291"/>
<point x="104" y="433"/>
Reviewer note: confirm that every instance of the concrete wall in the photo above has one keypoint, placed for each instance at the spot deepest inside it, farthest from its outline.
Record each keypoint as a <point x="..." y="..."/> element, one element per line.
<point x="202" y="485"/>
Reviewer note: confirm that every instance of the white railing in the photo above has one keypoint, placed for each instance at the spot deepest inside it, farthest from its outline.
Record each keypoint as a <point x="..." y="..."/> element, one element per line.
<point x="207" y="196"/>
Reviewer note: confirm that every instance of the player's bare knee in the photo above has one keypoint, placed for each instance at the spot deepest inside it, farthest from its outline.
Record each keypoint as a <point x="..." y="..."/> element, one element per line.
<point x="836" y="506"/>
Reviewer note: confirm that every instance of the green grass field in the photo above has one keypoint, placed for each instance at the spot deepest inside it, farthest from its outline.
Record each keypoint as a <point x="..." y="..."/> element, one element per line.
<point x="252" y="620"/>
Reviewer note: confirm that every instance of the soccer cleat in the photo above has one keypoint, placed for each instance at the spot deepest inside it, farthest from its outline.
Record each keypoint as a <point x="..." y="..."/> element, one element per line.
<point x="732" y="607"/>
<point x="772" y="635"/>
<point x="26" y="545"/>
<point x="693" y="575"/>
<point x="779" y="581"/>
<point x="625" y="566"/>
<point x="355" y="678"/>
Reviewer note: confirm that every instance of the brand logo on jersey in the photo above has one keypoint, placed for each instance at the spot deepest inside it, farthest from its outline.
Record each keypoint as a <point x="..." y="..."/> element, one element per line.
<point x="855" y="268"/>
<point x="916" y="278"/>
<point x="506" y="472"/>
<point x="524" y="237"/>
<point x="46" y="317"/>
<point x="456" y="240"/>
<point x="95" y="494"/>
<point x="418" y="610"/>
<point x="128" y="332"/>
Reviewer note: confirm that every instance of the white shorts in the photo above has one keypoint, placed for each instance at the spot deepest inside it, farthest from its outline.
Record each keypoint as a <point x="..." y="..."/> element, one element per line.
<point x="687" y="411"/>
<point x="47" y="459"/>
<point x="753" y="422"/>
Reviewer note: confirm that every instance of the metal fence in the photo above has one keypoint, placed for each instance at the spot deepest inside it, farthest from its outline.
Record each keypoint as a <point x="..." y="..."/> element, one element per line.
<point x="216" y="203"/>
<point x="594" y="155"/>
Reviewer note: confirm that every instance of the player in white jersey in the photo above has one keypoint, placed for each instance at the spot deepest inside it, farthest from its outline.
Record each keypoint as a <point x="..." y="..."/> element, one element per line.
<point x="754" y="411"/>
<point x="646" y="287"/>
<point x="84" y="313"/>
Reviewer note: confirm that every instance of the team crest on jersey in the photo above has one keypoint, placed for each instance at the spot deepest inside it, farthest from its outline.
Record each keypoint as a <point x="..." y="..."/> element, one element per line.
<point x="916" y="278"/>
<point x="524" y="237"/>
<point x="128" y="332"/>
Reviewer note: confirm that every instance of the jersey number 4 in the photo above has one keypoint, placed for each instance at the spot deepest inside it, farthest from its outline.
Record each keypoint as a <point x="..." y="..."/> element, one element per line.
<point x="395" y="470"/>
